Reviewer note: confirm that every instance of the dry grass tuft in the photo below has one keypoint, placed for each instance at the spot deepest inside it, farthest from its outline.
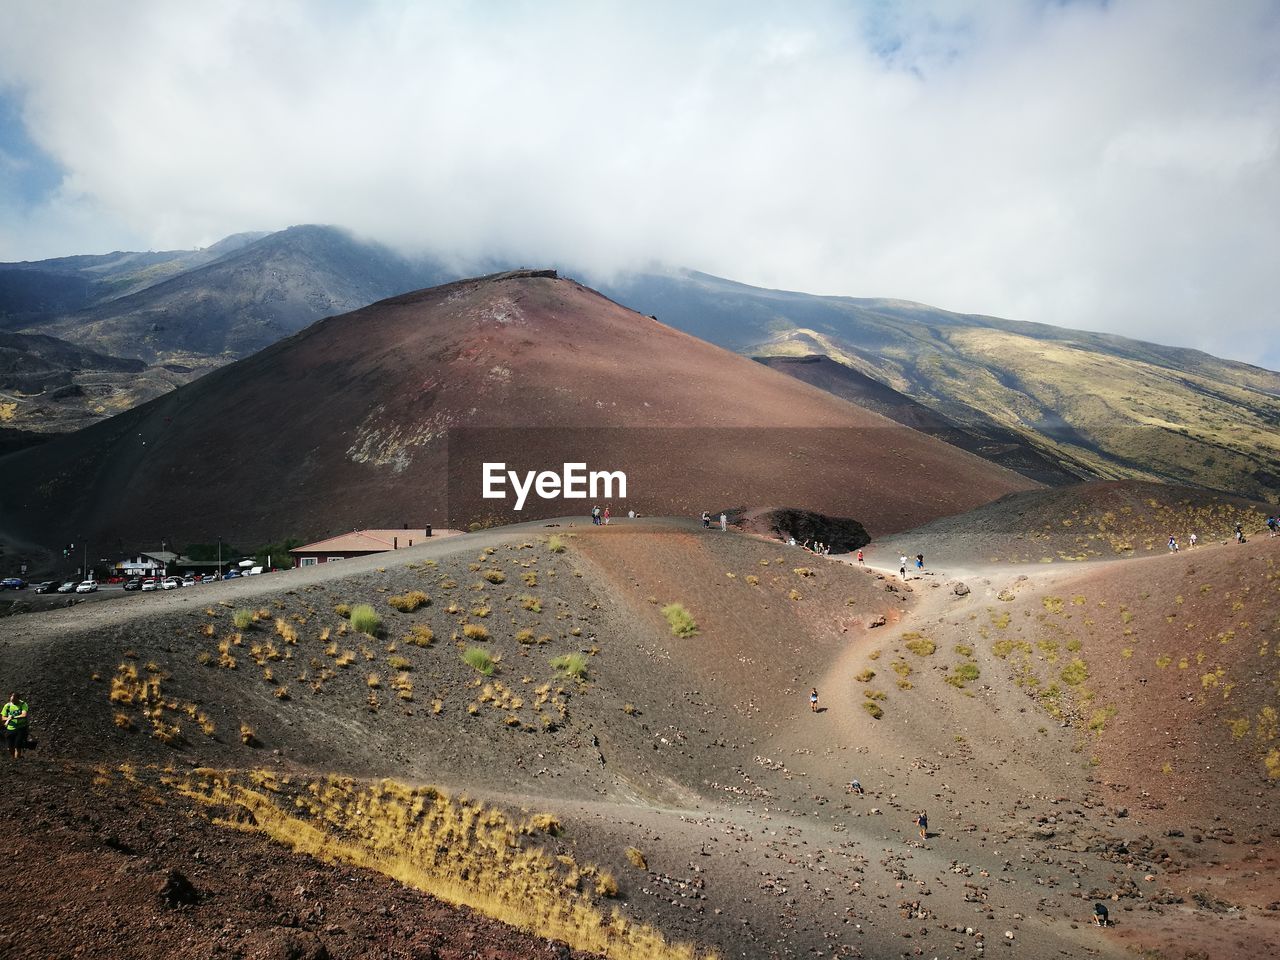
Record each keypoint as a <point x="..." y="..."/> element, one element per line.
<point x="409" y="602"/>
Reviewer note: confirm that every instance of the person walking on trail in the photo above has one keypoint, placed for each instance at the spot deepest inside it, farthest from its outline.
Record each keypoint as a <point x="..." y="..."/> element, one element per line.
<point x="859" y="555"/>
<point x="1100" y="917"/>
<point x="1240" y="533"/>
<point x="706" y="520"/>
<point x="1273" y="525"/>
<point x="724" y="522"/>
<point x="595" y="516"/>
<point x="922" y="821"/>
<point x="1173" y="544"/>
<point x="1191" y="540"/>
<point x="14" y="717"/>
<point x="919" y="561"/>
<point x="902" y="566"/>
<point x="813" y="700"/>
<point x="607" y="514"/>
<point x="855" y="787"/>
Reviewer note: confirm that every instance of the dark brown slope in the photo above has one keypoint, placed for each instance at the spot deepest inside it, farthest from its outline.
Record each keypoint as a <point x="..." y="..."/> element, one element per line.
<point x="988" y="441"/>
<point x="348" y="424"/>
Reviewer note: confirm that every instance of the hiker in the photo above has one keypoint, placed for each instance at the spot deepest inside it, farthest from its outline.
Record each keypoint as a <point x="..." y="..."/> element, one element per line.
<point x="14" y="717"/>
<point x="595" y="516"/>
<point x="922" y="821"/>
<point x="1100" y="916"/>
<point x="855" y="787"/>
<point x="724" y="522"/>
<point x="1273" y="525"/>
<point x="919" y="561"/>
<point x="706" y="520"/>
<point x="1173" y="544"/>
<point x="859" y="555"/>
<point x="813" y="699"/>
<point x="791" y="541"/>
<point x="631" y="514"/>
<point x="607" y="514"/>
<point x="902" y="566"/>
<point x="1240" y="533"/>
<point x="1191" y="540"/>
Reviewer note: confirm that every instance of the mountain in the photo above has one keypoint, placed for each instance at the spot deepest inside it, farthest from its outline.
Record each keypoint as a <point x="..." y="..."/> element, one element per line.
<point x="1098" y="404"/>
<point x="247" y="298"/>
<point x="32" y="292"/>
<point x="991" y="442"/>
<point x="385" y="416"/>
<point x="49" y="385"/>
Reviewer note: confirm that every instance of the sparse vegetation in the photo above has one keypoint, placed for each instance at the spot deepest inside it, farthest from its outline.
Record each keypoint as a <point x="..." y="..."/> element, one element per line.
<point x="365" y="619"/>
<point x="479" y="660"/>
<point x="410" y="601"/>
<point x="572" y="664"/>
<point x="495" y="576"/>
<point x="919" y="645"/>
<point x="475" y="631"/>
<point x="243" y="619"/>
<point x="555" y="544"/>
<point x="419" y="636"/>
<point x="680" y="620"/>
<point x="873" y="708"/>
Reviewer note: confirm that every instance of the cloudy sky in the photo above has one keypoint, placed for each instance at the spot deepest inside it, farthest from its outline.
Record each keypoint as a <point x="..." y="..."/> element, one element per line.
<point x="1106" y="165"/>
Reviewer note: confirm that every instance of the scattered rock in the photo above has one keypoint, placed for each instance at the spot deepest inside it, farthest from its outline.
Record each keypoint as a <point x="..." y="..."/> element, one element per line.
<point x="877" y="622"/>
<point x="177" y="891"/>
<point x="960" y="589"/>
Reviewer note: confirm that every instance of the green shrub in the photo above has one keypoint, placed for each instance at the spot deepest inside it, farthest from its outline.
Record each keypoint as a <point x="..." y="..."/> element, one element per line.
<point x="680" y="620"/>
<point x="1075" y="672"/>
<point x="920" y="646"/>
<point x="555" y="544"/>
<point x="243" y="619"/>
<point x="479" y="660"/>
<point x="365" y="619"/>
<point x="872" y="708"/>
<point x="962" y="674"/>
<point x="572" y="664"/>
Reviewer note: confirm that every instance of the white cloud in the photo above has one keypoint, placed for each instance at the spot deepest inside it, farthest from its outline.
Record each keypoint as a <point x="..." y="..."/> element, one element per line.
<point x="1108" y="166"/>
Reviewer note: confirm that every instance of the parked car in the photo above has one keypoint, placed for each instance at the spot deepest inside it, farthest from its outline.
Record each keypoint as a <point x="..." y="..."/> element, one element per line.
<point x="87" y="586"/>
<point x="133" y="583"/>
<point x="188" y="581"/>
<point x="47" y="586"/>
<point x="230" y="575"/>
<point x="13" y="583"/>
<point x="170" y="583"/>
<point x="68" y="586"/>
<point x="149" y="584"/>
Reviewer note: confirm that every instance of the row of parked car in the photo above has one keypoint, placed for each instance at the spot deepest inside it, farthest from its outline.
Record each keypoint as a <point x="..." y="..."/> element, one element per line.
<point x="145" y="584"/>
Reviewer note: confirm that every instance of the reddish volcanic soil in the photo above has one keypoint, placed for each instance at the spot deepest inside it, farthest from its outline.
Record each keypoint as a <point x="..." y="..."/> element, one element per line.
<point x="355" y="422"/>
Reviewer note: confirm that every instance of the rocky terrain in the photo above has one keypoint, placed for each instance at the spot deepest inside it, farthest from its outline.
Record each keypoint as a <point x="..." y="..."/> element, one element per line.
<point x="615" y="726"/>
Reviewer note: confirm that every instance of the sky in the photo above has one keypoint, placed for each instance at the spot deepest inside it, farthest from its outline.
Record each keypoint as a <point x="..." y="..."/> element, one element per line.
<point x="1104" y="165"/>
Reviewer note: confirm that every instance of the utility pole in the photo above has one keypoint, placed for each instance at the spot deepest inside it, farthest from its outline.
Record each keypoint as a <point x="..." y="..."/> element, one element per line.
<point x="86" y="560"/>
<point x="219" y="558"/>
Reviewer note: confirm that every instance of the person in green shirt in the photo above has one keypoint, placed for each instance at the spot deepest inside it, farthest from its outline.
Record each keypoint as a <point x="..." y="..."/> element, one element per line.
<point x="14" y="718"/>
